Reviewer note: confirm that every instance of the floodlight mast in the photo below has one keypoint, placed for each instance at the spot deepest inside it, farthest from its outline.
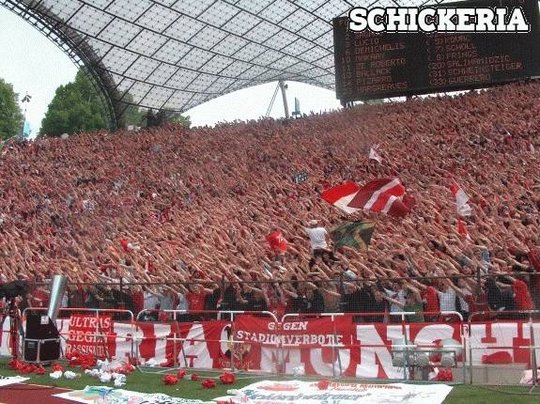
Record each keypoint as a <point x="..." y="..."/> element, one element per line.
<point x="272" y="100"/>
<point x="26" y="99"/>
<point x="283" y="86"/>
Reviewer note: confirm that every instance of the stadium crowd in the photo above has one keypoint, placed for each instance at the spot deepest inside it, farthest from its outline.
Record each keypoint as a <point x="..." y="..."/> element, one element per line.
<point x="192" y="208"/>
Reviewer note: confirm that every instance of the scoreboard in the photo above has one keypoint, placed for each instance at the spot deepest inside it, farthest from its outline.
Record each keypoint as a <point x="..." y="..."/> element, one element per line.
<point x="372" y="66"/>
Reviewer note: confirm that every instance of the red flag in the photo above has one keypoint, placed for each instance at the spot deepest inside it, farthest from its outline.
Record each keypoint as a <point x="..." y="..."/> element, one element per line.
<point x="276" y="241"/>
<point x="341" y="195"/>
<point x="397" y="208"/>
<point x="462" y="229"/>
<point x="125" y="245"/>
<point x="381" y="195"/>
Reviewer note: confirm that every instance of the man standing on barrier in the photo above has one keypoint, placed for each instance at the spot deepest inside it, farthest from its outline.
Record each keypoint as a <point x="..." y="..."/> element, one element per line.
<point x="318" y="239"/>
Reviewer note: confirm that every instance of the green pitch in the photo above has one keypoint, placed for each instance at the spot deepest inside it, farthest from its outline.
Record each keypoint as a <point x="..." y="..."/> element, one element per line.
<point x="151" y="382"/>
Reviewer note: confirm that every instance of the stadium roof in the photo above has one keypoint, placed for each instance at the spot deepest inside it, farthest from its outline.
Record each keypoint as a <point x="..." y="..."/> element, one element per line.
<point x="176" y="54"/>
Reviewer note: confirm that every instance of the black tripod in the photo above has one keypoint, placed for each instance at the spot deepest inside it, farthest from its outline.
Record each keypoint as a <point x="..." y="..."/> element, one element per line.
<point x="11" y="310"/>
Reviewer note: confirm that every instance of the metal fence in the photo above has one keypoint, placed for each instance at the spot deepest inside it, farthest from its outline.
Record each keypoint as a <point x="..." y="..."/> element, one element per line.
<point x="491" y="346"/>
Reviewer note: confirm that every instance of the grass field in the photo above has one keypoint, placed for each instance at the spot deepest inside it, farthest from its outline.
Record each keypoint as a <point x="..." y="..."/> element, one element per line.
<point x="152" y="383"/>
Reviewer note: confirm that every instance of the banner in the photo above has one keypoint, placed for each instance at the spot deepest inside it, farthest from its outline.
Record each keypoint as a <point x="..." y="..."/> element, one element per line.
<point x="312" y="344"/>
<point x="299" y="392"/>
<point x="6" y="381"/>
<point x="90" y="334"/>
<point x="199" y="345"/>
<point x="104" y="394"/>
<point x="317" y="346"/>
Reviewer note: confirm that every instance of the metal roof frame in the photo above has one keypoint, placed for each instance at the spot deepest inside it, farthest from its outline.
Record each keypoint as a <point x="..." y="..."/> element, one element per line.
<point x="176" y="54"/>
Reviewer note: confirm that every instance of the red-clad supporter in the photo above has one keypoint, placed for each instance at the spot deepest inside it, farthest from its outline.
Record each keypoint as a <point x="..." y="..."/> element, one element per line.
<point x="196" y="298"/>
<point x="522" y="297"/>
<point x="40" y="298"/>
<point x="137" y="296"/>
<point x="430" y="297"/>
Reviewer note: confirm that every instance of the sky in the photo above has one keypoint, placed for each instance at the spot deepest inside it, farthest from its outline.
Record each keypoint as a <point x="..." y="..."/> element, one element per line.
<point x="36" y="66"/>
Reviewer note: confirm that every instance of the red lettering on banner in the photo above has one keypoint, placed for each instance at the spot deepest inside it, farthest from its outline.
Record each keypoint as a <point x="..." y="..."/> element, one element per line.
<point x="147" y="347"/>
<point x="173" y="345"/>
<point x="498" y="338"/>
<point x="522" y="353"/>
<point x="375" y="356"/>
<point x="91" y="335"/>
<point x="488" y="339"/>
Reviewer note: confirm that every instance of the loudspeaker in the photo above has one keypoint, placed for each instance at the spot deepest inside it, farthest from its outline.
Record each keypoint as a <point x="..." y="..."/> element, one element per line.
<point x="41" y="339"/>
<point x="40" y="326"/>
<point x="36" y="350"/>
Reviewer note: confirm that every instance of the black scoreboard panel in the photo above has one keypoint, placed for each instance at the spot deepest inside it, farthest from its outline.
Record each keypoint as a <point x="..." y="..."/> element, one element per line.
<point x="371" y="66"/>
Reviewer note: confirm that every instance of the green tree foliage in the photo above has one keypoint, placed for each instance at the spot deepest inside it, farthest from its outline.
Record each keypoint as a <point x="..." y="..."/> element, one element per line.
<point x="10" y="114"/>
<point x="163" y="117"/>
<point x="75" y="107"/>
<point x="181" y="120"/>
<point x="132" y="116"/>
<point x="78" y="107"/>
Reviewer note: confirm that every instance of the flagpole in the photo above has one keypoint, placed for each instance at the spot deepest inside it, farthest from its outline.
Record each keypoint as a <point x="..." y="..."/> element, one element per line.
<point x="26" y="99"/>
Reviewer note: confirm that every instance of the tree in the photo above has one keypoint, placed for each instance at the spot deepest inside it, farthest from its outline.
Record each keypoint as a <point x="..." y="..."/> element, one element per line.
<point x="11" y="118"/>
<point x="75" y="107"/>
<point x="78" y="107"/>
<point x="131" y="116"/>
<point x="163" y="117"/>
<point x="181" y="120"/>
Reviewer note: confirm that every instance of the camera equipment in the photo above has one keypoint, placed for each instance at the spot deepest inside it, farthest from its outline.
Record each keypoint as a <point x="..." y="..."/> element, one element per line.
<point x="13" y="289"/>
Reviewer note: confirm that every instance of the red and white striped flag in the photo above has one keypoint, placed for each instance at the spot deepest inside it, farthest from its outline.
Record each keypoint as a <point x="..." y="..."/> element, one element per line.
<point x="341" y="195"/>
<point x="381" y="195"/>
<point x="463" y="208"/>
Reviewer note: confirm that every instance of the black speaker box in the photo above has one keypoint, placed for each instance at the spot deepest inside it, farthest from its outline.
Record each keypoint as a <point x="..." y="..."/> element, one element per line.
<point x="41" y="339"/>
<point x="48" y="350"/>
<point x="40" y="326"/>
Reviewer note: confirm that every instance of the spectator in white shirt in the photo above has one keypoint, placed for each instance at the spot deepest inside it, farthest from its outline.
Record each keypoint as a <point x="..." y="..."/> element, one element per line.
<point x="151" y="304"/>
<point x="318" y="239"/>
<point x="447" y="296"/>
<point x="182" y="305"/>
<point x="397" y="293"/>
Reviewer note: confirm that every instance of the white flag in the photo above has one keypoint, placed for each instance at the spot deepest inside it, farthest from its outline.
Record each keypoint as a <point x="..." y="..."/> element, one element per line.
<point x="373" y="155"/>
<point x="462" y="199"/>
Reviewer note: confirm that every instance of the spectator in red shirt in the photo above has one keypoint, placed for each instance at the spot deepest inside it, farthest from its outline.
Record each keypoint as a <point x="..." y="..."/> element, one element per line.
<point x="431" y="301"/>
<point x="137" y="296"/>
<point x="40" y="298"/>
<point x="522" y="296"/>
<point x="195" y="298"/>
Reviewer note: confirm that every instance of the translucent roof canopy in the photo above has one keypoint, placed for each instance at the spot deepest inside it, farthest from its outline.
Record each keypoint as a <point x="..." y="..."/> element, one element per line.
<point x="176" y="54"/>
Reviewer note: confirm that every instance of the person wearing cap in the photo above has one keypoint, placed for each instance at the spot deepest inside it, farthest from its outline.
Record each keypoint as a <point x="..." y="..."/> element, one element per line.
<point x="318" y="239"/>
